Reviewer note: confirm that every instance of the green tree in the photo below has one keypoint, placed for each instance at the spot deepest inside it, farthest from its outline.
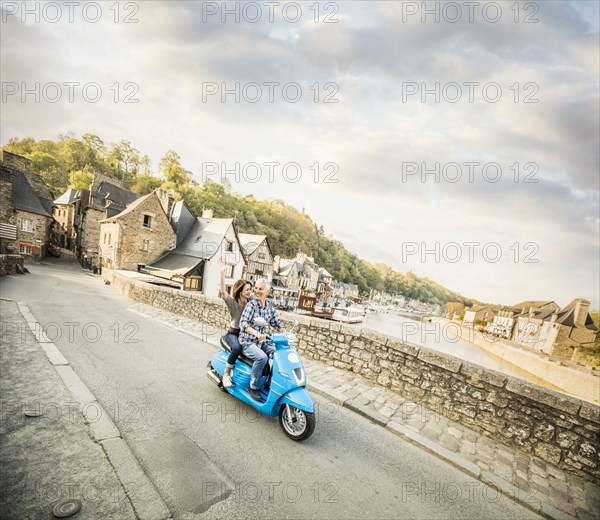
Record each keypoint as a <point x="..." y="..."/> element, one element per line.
<point x="80" y="180"/>
<point x="172" y="170"/>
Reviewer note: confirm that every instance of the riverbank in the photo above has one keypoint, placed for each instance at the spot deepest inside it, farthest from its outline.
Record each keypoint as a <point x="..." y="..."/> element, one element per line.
<point x="575" y="381"/>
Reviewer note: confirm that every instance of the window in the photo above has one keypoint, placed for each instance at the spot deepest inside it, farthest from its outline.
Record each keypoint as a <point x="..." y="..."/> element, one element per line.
<point x="193" y="283"/>
<point x="261" y="256"/>
<point x="229" y="246"/>
<point x="25" y="249"/>
<point x="229" y="272"/>
<point x="145" y="245"/>
<point x="27" y="225"/>
<point x="147" y="221"/>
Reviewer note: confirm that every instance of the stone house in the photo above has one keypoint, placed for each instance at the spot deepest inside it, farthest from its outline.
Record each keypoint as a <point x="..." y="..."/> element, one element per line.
<point x="300" y="273"/>
<point x="344" y="290"/>
<point x="285" y="273"/>
<point x="479" y="313"/>
<point x="26" y="223"/>
<point x="324" y="288"/>
<point x="568" y="329"/>
<point x="138" y="235"/>
<point x="64" y="214"/>
<point x="202" y="243"/>
<point x="80" y="212"/>
<point x="530" y="322"/>
<point x="259" y="257"/>
<point x="503" y="323"/>
<point x="105" y="198"/>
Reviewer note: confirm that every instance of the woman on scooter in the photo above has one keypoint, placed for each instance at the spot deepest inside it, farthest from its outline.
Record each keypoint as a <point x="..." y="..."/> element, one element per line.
<point x="241" y="292"/>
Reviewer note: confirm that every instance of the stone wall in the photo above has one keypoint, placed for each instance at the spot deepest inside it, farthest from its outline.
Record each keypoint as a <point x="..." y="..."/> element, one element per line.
<point x="559" y="429"/>
<point x="11" y="264"/>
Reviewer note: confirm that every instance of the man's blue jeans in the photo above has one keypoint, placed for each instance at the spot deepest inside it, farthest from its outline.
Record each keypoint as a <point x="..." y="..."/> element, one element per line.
<point x="260" y="356"/>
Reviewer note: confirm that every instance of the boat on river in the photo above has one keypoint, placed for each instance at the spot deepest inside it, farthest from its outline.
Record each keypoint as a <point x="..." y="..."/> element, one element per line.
<point x="348" y="314"/>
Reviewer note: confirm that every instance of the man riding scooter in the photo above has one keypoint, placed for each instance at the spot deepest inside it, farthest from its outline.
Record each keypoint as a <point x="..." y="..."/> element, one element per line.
<point x="252" y="337"/>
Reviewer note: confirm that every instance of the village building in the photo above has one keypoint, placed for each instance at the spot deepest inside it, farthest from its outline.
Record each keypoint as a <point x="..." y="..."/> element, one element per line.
<point x="105" y="198"/>
<point x="480" y="314"/>
<point x="503" y="322"/>
<point x="324" y="288"/>
<point x="64" y="214"/>
<point x="346" y="291"/>
<point x="202" y="245"/>
<point x="136" y="236"/>
<point x="568" y="329"/>
<point x="26" y="223"/>
<point x="299" y="273"/>
<point x="259" y="257"/>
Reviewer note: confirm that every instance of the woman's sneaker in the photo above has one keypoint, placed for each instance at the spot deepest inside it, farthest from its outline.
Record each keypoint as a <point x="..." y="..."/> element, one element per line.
<point x="227" y="382"/>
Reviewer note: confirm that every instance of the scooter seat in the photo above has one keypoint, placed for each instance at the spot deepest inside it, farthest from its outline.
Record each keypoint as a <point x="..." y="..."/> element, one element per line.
<point x="241" y="357"/>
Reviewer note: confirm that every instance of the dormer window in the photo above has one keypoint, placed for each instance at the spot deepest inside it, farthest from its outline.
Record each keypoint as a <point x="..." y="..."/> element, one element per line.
<point x="147" y="221"/>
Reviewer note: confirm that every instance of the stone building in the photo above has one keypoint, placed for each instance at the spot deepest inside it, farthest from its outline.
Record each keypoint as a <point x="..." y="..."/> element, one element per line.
<point x="79" y="213"/>
<point x="567" y="329"/>
<point x="26" y="223"/>
<point x="64" y="214"/>
<point x="138" y="235"/>
<point x="300" y="273"/>
<point x="259" y="257"/>
<point x="478" y="313"/>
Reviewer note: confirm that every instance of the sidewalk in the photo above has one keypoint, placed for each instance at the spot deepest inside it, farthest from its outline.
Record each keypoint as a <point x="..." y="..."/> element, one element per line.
<point x="55" y="456"/>
<point x="523" y="477"/>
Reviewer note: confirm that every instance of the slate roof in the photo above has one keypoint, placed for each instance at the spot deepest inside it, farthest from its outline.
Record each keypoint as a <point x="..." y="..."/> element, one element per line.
<point x="109" y="194"/>
<point x="204" y="237"/>
<point x="118" y="213"/>
<point x="532" y="303"/>
<point x="175" y="262"/>
<point x="250" y="242"/>
<point x="68" y="197"/>
<point x="24" y="197"/>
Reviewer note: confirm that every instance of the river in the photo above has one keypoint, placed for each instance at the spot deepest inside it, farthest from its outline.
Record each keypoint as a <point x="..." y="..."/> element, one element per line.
<point x="444" y="339"/>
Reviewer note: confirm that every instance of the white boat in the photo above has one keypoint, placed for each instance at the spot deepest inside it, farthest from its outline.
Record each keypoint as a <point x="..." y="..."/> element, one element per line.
<point x="348" y="314"/>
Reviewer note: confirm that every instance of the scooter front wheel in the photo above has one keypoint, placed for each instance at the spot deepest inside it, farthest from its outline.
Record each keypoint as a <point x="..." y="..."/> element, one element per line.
<point x="297" y="424"/>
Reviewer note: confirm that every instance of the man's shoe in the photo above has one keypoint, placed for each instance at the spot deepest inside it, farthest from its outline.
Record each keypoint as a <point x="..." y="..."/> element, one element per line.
<point x="255" y="394"/>
<point x="227" y="382"/>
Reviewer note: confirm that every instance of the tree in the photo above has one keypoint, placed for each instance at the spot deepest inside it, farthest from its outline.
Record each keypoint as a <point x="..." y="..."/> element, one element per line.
<point x="80" y="180"/>
<point x="453" y="308"/>
<point x="172" y="170"/>
<point x="50" y="169"/>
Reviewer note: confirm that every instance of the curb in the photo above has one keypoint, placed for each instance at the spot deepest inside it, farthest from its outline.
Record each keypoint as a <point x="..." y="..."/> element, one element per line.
<point x="143" y="496"/>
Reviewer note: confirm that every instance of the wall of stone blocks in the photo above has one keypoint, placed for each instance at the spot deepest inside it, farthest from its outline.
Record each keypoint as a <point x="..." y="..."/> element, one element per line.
<point x="558" y="428"/>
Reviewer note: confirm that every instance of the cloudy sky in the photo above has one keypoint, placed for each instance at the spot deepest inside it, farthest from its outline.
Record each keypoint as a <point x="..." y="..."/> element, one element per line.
<point x="455" y="140"/>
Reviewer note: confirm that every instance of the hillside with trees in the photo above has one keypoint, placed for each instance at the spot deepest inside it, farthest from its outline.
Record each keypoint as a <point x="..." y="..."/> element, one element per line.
<point x="71" y="162"/>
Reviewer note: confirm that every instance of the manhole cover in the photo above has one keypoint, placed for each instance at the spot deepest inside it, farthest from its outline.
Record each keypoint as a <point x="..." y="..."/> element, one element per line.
<point x="32" y="413"/>
<point x="66" y="508"/>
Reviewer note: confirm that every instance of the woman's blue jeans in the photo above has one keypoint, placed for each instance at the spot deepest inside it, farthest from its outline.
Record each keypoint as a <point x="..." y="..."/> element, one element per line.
<point x="233" y="341"/>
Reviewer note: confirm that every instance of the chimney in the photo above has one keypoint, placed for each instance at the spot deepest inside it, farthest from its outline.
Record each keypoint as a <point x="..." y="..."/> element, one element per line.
<point x="207" y="213"/>
<point x="166" y="200"/>
<point x="582" y="308"/>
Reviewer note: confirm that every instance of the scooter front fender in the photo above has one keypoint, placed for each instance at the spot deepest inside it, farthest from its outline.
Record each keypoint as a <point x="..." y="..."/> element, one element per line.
<point x="297" y="397"/>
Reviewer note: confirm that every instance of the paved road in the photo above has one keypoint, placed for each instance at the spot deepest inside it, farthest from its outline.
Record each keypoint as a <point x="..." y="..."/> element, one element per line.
<point x="212" y="457"/>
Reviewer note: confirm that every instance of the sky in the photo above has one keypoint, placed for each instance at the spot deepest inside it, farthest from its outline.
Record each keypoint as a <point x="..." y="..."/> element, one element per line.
<point x="456" y="140"/>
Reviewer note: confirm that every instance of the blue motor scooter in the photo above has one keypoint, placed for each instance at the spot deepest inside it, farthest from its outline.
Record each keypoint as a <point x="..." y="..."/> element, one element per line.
<point x="283" y="388"/>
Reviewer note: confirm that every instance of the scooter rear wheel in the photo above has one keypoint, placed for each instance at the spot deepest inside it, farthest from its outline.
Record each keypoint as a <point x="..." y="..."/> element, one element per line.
<point x="298" y="425"/>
